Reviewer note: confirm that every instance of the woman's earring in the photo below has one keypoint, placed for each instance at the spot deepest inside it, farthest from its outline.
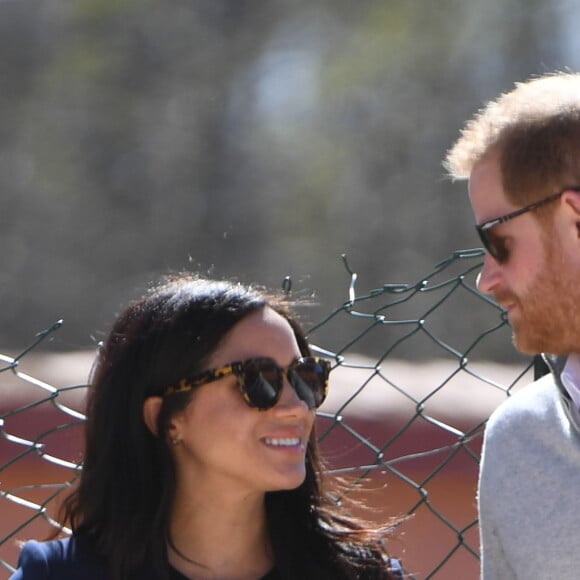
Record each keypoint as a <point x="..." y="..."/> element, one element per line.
<point x="175" y="441"/>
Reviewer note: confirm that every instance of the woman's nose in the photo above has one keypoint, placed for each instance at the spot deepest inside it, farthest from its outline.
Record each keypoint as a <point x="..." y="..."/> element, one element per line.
<point x="289" y="401"/>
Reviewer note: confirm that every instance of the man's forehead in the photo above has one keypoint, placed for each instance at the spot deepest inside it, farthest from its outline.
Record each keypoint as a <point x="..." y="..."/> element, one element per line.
<point x="486" y="193"/>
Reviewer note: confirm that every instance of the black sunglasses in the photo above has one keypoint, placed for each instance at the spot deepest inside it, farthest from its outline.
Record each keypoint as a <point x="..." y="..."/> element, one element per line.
<point x="495" y="244"/>
<point x="261" y="380"/>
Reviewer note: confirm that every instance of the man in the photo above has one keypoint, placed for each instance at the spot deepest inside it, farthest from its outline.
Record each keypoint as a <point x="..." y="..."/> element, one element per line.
<point x="521" y="154"/>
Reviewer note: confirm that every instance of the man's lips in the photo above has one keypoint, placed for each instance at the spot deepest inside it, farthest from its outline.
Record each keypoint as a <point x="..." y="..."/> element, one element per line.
<point x="506" y="301"/>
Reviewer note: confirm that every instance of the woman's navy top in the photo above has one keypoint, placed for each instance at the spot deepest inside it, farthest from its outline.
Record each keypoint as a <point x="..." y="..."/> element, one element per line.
<point x="73" y="559"/>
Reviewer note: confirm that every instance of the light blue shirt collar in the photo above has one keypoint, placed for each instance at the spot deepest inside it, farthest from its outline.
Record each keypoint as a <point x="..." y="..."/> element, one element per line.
<point x="571" y="378"/>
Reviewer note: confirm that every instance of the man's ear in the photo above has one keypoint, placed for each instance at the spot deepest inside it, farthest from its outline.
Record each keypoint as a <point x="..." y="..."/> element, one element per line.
<point x="571" y="203"/>
<point x="572" y="199"/>
<point x="151" y="408"/>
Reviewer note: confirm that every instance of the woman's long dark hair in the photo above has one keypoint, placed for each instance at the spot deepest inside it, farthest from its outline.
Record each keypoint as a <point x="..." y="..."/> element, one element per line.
<point x="123" y="500"/>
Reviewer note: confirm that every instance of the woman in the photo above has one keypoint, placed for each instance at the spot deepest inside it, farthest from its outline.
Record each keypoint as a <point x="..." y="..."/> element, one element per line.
<point x="200" y="455"/>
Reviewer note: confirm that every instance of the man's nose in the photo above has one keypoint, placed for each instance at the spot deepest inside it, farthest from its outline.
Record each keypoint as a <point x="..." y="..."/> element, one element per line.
<point x="489" y="276"/>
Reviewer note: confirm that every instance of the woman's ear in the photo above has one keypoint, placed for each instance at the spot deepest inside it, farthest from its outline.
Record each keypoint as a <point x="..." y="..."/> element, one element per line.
<point x="151" y="408"/>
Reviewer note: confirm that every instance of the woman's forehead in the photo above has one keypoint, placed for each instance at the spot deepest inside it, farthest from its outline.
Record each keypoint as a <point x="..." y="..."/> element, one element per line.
<point x="263" y="333"/>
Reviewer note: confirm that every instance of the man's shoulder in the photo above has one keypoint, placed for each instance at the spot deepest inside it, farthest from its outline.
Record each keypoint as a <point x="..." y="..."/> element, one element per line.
<point x="528" y="421"/>
<point x="533" y="402"/>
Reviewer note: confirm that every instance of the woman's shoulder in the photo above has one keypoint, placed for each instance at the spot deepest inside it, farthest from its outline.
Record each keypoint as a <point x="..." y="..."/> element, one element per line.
<point x="374" y="565"/>
<point x="37" y="558"/>
<point x="395" y="568"/>
<point x="65" y="558"/>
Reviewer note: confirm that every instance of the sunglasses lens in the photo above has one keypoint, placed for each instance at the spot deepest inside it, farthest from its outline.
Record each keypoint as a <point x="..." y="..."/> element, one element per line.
<point x="309" y="378"/>
<point x="497" y="247"/>
<point x="494" y="244"/>
<point x="262" y="383"/>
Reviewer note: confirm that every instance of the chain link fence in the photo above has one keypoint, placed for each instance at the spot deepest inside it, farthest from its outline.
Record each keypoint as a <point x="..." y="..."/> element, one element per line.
<point x="403" y="425"/>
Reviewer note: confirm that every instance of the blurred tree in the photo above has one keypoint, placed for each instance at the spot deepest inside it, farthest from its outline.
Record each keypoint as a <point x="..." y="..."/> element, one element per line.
<point x="241" y="139"/>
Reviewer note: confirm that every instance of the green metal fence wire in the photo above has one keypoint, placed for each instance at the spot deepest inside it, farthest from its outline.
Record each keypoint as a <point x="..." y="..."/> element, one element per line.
<point x="405" y="408"/>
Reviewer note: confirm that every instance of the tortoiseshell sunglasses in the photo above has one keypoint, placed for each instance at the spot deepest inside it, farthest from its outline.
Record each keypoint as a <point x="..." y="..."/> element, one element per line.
<point x="261" y="380"/>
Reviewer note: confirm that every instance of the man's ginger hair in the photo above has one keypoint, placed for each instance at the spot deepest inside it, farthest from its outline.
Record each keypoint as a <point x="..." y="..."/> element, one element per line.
<point x="535" y="130"/>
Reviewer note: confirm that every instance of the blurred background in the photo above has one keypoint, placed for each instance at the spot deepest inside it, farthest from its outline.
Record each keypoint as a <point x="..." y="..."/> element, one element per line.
<point x="255" y="141"/>
<point x="242" y="139"/>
